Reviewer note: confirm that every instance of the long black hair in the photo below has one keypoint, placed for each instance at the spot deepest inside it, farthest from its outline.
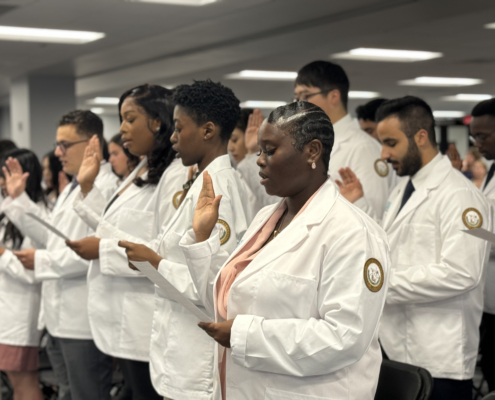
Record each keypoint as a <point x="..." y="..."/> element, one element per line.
<point x="29" y="163"/>
<point x="157" y="102"/>
<point x="132" y="160"/>
<point x="55" y="167"/>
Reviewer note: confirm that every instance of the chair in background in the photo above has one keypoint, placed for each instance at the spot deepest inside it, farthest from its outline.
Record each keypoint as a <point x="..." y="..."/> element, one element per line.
<point x="399" y="381"/>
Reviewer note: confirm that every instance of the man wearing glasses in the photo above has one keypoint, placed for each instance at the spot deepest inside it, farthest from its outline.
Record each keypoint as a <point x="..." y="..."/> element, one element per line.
<point x="482" y="129"/>
<point x="326" y="85"/>
<point x="82" y="371"/>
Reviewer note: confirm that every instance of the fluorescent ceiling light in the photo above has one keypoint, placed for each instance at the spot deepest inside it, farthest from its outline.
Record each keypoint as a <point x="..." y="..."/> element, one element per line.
<point x="439" y="81"/>
<point x="97" y="110"/>
<point x="366" y="54"/>
<point x="468" y="97"/>
<point x="262" y="104"/>
<point x="105" y="100"/>
<point x="264" y="75"/>
<point x="354" y="94"/>
<point x="177" y="2"/>
<point x="448" y="114"/>
<point x="490" y="26"/>
<point x="15" y="33"/>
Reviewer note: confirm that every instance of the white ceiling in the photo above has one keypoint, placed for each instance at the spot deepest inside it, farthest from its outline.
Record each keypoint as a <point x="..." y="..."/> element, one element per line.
<point x="174" y="44"/>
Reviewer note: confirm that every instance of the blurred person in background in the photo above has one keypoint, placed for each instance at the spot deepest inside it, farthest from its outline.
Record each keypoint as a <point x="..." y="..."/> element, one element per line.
<point x="123" y="162"/>
<point x="472" y="156"/>
<point x="479" y="171"/>
<point x="237" y="146"/>
<point x="54" y="179"/>
<point x="366" y="116"/>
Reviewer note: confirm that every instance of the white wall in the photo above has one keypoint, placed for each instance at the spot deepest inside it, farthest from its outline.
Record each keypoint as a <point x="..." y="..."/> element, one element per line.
<point x="111" y="125"/>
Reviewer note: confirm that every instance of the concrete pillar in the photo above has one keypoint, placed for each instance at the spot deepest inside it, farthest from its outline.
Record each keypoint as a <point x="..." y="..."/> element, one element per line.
<point x="36" y="105"/>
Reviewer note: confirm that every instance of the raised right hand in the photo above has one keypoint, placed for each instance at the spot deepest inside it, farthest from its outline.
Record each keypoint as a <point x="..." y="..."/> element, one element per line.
<point x="206" y="214"/>
<point x="251" y="135"/>
<point x="90" y="166"/>
<point x="15" y="179"/>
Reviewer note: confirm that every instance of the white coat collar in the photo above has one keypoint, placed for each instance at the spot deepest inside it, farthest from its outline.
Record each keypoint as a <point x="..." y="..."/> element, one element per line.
<point x="420" y="177"/>
<point x="290" y="237"/>
<point x="490" y="188"/>
<point x="436" y="175"/>
<point x="343" y="130"/>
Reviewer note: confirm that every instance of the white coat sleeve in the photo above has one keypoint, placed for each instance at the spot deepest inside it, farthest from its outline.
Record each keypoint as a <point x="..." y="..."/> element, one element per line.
<point x="462" y="257"/>
<point x="196" y="286"/>
<point x="56" y="264"/>
<point x="16" y="210"/>
<point x="11" y="265"/>
<point x="91" y="207"/>
<point x="348" y="317"/>
<point x="375" y="187"/>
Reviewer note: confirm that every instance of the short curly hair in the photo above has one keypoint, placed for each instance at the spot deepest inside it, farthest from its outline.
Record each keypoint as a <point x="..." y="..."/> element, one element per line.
<point x="305" y="122"/>
<point x="206" y="101"/>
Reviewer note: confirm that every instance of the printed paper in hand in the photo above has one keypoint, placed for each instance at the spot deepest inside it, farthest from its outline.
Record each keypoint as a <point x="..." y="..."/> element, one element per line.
<point x="482" y="234"/>
<point x="172" y="293"/>
<point x="48" y="226"/>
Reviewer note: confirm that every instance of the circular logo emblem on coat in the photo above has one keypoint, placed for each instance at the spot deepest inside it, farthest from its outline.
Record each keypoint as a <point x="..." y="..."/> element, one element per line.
<point x="176" y="199"/>
<point x="224" y="229"/>
<point x="373" y="274"/>
<point x="381" y="167"/>
<point x="472" y="218"/>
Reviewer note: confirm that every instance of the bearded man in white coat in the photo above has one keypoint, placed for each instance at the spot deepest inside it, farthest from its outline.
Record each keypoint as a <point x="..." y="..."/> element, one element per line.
<point x="435" y="295"/>
<point x="482" y="129"/>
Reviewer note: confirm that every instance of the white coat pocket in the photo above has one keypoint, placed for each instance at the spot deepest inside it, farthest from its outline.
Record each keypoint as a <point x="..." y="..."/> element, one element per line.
<point x="275" y="394"/>
<point x="137" y="317"/>
<point x="136" y="222"/>
<point x="282" y="295"/>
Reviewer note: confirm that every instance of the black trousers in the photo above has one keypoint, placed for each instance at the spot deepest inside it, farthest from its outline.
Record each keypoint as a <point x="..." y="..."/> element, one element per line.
<point x="137" y="376"/>
<point x="487" y="349"/>
<point x="450" y="389"/>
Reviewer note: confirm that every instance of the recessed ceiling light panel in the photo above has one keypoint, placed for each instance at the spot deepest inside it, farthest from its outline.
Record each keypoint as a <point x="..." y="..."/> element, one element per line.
<point x="262" y="104"/>
<point x="468" y="97"/>
<point x="448" y="114"/>
<point x="490" y="26"/>
<point x="20" y="34"/>
<point x="440" y="81"/>
<point x="104" y="101"/>
<point x="368" y="54"/>
<point x="195" y="3"/>
<point x="356" y="94"/>
<point x="97" y="110"/>
<point x="263" y="75"/>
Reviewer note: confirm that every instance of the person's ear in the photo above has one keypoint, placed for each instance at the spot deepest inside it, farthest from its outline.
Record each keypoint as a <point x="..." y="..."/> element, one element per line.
<point x="209" y="130"/>
<point x="334" y="97"/>
<point x="156" y="125"/>
<point x="314" y="151"/>
<point x="421" y="138"/>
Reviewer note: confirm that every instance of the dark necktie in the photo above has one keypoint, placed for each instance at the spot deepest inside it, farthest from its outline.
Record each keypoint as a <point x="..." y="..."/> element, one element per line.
<point x="407" y="194"/>
<point x="489" y="176"/>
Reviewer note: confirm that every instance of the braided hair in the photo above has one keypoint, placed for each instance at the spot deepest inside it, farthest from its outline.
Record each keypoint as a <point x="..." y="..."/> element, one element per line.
<point x="305" y="122"/>
<point x="157" y="102"/>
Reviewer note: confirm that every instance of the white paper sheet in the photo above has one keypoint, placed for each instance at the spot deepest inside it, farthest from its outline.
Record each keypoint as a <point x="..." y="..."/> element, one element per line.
<point x="172" y="293"/>
<point x="48" y="226"/>
<point x="482" y="234"/>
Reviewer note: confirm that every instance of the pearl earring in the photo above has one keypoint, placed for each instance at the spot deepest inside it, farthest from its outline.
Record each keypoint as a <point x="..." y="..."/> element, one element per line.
<point x="313" y="165"/>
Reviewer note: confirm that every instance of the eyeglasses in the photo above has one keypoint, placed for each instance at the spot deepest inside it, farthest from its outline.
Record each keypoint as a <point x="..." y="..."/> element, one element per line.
<point x="480" y="138"/>
<point x="305" y="97"/>
<point x="65" y="145"/>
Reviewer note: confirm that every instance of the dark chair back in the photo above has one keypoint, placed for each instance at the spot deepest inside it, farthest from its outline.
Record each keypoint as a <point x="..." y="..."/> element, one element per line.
<point x="399" y="381"/>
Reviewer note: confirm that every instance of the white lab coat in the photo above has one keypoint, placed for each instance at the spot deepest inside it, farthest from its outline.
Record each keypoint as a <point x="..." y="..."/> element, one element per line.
<point x="62" y="272"/>
<point x="120" y="300"/>
<point x="489" y="297"/>
<point x="357" y="150"/>
<point x="305" y="321"/>
<point x="250" y="173"/>
<point x="435" y="298"/>
<point x="181" y="355"/>
<point x="20" y="297"/>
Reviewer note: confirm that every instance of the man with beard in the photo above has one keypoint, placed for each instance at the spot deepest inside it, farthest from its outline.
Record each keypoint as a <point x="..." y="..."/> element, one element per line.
<point x="482" y="129"/>
<point x="435" y="296"/>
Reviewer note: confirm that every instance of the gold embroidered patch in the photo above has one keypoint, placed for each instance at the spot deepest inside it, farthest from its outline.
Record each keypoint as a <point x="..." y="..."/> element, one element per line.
<point x="224" y="231"/>
<point x="373" y="274"/>
<point x="472" y="218"/>
<point x="176" y="199"/>
<point x="381" y="167"/>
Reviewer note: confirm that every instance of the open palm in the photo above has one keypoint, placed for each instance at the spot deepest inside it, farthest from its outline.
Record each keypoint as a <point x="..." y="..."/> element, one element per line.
<point x="90" y="166"/>
<point x="251" y="135"/>
<point x="15" y="178"/>
<point x="350" y="187"/>
<point x="206" y="213"/>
